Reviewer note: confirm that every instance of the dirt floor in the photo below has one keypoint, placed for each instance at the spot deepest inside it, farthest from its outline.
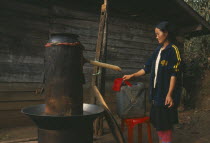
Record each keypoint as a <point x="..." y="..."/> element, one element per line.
<point x="194" y="126"/>
<point x="195" y="123"/>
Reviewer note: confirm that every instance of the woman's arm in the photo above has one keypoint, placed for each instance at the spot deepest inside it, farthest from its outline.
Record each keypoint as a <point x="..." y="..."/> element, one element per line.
<point x="169" y="100"/>
<point x="173" y="69"/>
<point x="145" y="70"/>
<point x="172" y="85"/>
<point x="139" y="73"/>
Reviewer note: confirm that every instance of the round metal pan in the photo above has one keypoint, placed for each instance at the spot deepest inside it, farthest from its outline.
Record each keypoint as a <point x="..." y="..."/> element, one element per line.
<point x="53" y="122"/>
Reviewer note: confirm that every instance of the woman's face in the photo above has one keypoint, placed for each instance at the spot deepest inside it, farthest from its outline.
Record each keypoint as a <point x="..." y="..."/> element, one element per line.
<point x="160" y="35"/>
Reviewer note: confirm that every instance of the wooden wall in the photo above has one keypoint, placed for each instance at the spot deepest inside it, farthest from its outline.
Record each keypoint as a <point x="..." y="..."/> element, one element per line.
<point x="14" y="97"/>
<point x="129" y="43"/>
<point x="24" y="30"/>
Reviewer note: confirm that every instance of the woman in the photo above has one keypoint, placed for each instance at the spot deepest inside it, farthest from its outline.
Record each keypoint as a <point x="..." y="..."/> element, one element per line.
<point x="164" y="69"/>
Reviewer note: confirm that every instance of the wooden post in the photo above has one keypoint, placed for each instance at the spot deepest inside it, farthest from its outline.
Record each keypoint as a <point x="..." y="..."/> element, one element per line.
<point x="98" y="77"/>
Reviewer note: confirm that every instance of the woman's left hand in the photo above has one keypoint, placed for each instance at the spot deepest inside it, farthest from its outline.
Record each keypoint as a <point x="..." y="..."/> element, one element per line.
<point x="169" y="101"/>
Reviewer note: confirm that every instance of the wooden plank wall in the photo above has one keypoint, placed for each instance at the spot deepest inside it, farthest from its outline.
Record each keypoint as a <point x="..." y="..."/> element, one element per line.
<point x="14" y="97"/>
<point x="23" y="32"/>
<point x="129" y="43"/>
<point x="24" y="29"/>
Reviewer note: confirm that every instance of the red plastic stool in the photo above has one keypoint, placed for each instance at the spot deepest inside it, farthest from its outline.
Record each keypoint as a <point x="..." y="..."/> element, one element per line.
<point x="131" y="123"/>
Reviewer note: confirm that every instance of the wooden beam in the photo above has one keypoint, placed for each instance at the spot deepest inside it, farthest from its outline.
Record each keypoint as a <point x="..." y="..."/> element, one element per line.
<point x="190" y="29"/>
<point x="20" y="87"/>
<point x="101" y="48"/>
<point x="17" y="105"/>
<point x="193" y="13"/>
<point x="19" y="96"/>
<point x="25" y="140"/>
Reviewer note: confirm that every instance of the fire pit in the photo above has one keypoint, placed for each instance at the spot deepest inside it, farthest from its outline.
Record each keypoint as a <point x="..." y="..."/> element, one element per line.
<point x="64" y="118"/>
<point x="64" y="129"/>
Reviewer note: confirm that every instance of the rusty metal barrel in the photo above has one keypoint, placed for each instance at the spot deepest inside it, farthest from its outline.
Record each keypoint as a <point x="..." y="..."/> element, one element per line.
<point x="64" y="118"/>
<point x="63" y="75"/>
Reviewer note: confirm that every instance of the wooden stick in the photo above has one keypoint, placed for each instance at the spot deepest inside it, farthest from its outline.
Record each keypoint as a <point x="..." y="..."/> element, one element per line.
<point x="100" y="98"/>
<point x="116" y="132"/>
<point x="21" y="140"/>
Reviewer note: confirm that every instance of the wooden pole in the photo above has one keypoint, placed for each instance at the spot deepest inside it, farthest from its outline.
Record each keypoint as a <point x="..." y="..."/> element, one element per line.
<point x="99" y="80"/>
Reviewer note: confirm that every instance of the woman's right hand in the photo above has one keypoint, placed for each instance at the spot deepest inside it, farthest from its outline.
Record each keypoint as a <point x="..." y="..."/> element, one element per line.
<point x="127" y="77"/>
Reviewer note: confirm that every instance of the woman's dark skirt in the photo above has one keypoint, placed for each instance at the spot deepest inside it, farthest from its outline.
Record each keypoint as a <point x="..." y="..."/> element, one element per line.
<point x="163" y="118"/>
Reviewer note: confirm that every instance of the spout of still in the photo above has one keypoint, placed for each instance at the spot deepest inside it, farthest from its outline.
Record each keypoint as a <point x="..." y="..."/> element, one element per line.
<point x="104" y="65"/>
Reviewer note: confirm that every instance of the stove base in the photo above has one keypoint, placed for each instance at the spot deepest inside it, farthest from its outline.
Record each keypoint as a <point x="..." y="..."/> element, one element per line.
<point x="81" y="134"/>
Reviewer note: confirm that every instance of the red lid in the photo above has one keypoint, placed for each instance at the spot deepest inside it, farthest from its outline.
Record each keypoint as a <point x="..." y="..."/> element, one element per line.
<point x="118" y="82"/>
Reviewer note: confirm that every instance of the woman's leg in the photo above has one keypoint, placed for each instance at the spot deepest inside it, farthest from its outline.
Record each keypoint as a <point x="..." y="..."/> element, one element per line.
<point x="165" y="136"/>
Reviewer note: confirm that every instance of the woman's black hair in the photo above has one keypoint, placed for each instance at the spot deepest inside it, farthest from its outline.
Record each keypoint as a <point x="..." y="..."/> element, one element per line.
<point x="165" y="26"/>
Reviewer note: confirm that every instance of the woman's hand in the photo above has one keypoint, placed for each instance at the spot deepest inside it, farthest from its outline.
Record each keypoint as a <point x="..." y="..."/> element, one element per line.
<point x="127" y="77"/>
<point x="169" y="101"/>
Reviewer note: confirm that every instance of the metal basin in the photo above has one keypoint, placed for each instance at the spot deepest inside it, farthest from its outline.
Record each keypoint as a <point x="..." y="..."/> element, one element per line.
<point x="53" y="122"/>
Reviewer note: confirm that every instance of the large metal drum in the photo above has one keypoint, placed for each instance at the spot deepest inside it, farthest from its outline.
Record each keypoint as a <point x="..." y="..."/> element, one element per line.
<point x="64" y="118"/>
<point x="63" y="75"/>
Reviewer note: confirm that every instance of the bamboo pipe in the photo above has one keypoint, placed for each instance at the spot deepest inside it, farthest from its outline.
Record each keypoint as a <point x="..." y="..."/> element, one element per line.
<point x="116" y="132"/>
<point x="104" y="65"/>
<point x="100" y="97"/>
